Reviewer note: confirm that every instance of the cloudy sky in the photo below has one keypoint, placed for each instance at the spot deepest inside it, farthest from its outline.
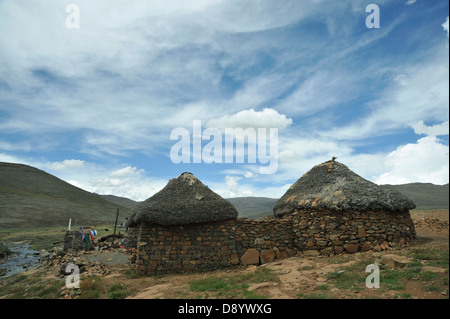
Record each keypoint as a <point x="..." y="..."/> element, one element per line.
<point x="96" y="105"/>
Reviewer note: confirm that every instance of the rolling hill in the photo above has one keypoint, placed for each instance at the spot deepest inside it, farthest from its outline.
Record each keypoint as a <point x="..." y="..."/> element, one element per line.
<point x="424" y="195"/>
<point x="30" y="197"/>
<point x="121" y="201"/>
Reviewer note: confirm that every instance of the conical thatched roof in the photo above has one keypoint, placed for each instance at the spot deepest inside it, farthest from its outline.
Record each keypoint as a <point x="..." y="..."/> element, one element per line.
<point x="332" y="186"/>
<point x="184" y="200"/>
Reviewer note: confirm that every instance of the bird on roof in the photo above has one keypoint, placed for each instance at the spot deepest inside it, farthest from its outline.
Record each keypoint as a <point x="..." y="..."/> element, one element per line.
<point x="334" y="158"/>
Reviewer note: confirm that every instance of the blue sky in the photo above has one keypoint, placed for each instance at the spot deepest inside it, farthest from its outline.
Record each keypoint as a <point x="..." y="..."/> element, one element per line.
<point x="96" y="105"/>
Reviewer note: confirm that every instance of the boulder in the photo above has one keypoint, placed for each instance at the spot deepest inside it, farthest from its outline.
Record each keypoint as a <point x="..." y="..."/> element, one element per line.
<point x="250" y="257"/>
<point x="282" y="254"/>
<point x="394" y="261"/>
<point x="366" y="246"/>
<point x="327" y="251"/>
<point x="267" y="255"/>
<point x="351" y="248"/>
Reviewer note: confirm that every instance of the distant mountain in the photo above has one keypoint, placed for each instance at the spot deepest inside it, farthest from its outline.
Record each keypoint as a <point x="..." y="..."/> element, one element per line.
<point x="30" y="197"/>
<point x="122" y="201"/>
<point x="424" y="195"/>
<point x="253" y="207"/>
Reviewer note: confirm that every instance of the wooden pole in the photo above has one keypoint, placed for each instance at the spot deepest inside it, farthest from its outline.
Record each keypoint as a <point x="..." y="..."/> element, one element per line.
<point x="115" y="225"/>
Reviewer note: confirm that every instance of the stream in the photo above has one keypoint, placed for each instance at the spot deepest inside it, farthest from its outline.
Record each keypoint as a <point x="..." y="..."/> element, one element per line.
<point x="22" y="259"/>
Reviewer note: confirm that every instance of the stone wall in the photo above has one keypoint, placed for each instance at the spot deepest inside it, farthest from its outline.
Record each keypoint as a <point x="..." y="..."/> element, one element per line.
<point x="130" y="238"/>
<point x="209" y="246"/>
<point x="328" y="233"/>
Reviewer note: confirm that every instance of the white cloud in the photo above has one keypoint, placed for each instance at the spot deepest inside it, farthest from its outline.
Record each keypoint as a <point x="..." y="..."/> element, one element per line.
<point x="445" y="26"/>
<point x="126" y="171"/>
<point x="408" y="100"/>
<point x="249" y="174"/>
<point x="66" y="165"/>
<point x="435" y="130"/>
<point x="267" y="118"/>
<point x="69" y="81"/>
<point x="7" y="158"/>
<point x="231" y="187"/>
<point x="6" y="146"/>
<point x="321" y="90"/>
<point x="425" y="161"/>
<point x="410" y="2"/>
<point x="129" y="182"/>
<point x="235" y="186"/>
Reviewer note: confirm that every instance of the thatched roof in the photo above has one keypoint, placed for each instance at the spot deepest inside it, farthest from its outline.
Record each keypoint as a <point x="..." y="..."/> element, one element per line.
<point x="332" y="186"/>
<point x="184" y="200"/>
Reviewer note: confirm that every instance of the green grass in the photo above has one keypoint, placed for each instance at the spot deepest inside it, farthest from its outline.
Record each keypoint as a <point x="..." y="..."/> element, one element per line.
<point x="44" y="237"/>
<point x="347" y="279"/>
<point x="432" y="288"/>
<point x="90" y="287"/>
<point x="30" y="287"/>
<point x="313" y="295"/>
<point x="425" y="254"/>
<point x="132" y="273"/>
<point x="117" y="291"/>
<point x="323" y="287"/>
<point x="234" y="286"/>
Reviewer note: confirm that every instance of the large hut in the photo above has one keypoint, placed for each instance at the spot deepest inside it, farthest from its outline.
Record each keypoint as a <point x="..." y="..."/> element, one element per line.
<point x="334" y="210"/>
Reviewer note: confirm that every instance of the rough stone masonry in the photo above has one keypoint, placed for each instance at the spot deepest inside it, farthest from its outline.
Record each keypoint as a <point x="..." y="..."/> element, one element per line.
<point x="330" y="210"/>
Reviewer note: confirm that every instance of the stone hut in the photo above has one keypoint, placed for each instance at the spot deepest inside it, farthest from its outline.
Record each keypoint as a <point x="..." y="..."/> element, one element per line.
<point x="186" y="227"/>
<point x="334" y="210"/>
<point x="178" y="228"/>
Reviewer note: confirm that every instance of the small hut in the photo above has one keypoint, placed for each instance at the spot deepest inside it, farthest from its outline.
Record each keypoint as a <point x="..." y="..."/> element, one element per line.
<point x="180" y="228"/>
<point x="334" y="209"/>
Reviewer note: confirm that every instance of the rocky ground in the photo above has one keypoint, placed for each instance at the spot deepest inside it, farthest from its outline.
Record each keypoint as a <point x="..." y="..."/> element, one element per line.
<point x="296" y="277"/>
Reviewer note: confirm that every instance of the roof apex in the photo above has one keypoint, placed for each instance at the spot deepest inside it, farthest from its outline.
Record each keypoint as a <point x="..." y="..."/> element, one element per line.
<point x="184" y="200"/>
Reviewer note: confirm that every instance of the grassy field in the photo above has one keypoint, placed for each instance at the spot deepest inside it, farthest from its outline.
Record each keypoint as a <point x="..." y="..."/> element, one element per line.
<point x="45" y="237"/>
